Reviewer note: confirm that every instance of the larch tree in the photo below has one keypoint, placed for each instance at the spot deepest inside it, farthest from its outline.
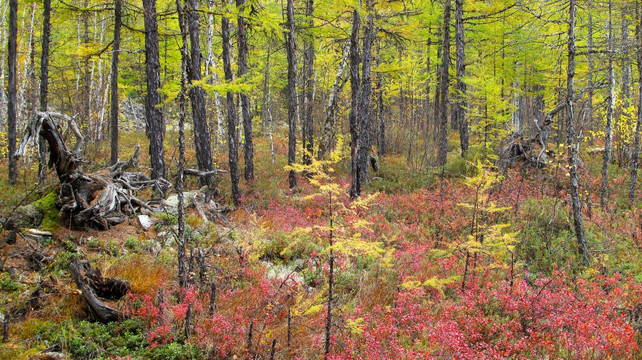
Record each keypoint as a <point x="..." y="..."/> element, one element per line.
<point x="355" y="107"/>
<point x="307" y="128"/>
<point x="610" y="109"/>
<point x="44" y="83"/>
<point x="248" y="144"/>
<point x="290" y="45"/>
<point x="365" y="112"/>
<point x="232" y="121"/>
<point x="118" y="21"/>
<point x="460" y="102"/>
<point x="11" y="90"/>
<point x="635" y="156"/>
<point x="154" y="118"/>
<point x="442" y="138"/>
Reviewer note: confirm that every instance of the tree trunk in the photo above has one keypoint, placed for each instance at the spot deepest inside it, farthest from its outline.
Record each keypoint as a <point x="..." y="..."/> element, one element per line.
<point x="460" y="104"/>
<point x="44" y="84"/>
<point x="231" y="112"/>
<point x="197" y="97"/>
<point x="154" y="119"/>
<point x="443" y="89"/>
<point x="291" y="54"/>
<point x="381" y="140"/>
<point x="265" y="109"/>
<point x="366" y="93"/>
<point x="184" y="18"/>
<point x="212" y="78"/>
<point x="308" y="86"/>
<point x="11" y="90"/>
<point x="355" y="83"/>
<point x="591" y="67"/>
<point x="571" y="141"/>
<point x="114" y="81"/>
<point x="609" y="115"/>
<point x="245" y="101"/>
<point x="635" y="156"/>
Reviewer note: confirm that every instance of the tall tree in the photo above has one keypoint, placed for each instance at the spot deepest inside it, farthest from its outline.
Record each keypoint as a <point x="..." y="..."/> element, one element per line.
<point x="635" y="156"/>
<point x="307" y="128"/>
<point x="197" y="97"/>
<point x="154" y="118"/>
<point x="609" y="113"/>
<point x="245" y="101"/>
<point x="442" y="149"/>
<point x="460" y="103"/>
<point x="44" y="83"/>
<point x="11" y="89"/>
<point x="292" y="72"/>
<point x="232" y="140"/>
<point x="118" y="21"/>
<point x="355" y="84"/>
<point x="571" y="141"/>
<point x="366" y="94"/>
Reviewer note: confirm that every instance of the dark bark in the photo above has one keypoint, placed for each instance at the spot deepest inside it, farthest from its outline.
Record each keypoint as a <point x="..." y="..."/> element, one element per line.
<point x="241" y="36"/>
<point x="292" y="72"/>
<point x="182" y="101"/>
<point x="99" y="311"/>
<point x="355" y="84"/>
<point x="11" y="90"/>
<point x="381" y="139"/>
<point x="591" y="67"/>
<point x="154" y="119"/>
<point x="571" y="141"/>
<point x="442" y="151"/>
<point x="635" y="156"/>
<point x="308" y="87"/>
<point x="114" y="81"/>
<point x="460" y="104"/>
<point x="197" y="96"/>
<point x="608" y="141"/>
<point x="85" y="103"/>
<point x="44" y="83"/>
<point x="366" y="93"/>
<point x="232" y="141"/>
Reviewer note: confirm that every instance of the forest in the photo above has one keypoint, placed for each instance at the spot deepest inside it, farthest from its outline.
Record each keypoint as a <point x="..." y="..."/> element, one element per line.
<point x="305" y="179"/>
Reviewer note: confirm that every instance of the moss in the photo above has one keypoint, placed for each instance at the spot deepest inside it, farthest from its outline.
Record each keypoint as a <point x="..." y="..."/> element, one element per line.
<point x="47" y="205"/>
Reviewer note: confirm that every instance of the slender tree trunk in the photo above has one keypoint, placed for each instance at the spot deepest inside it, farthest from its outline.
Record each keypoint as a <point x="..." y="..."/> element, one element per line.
<point x="154" y="118"/>
<point x="182" y="104"/>
<point x="212" y="78"/>
<point x="609" y="115"/>
<point x="460" y="105"/>
<point x="624" y="148"/>
<point x="330" y="113"/>
<point x="245" y="101"/>
<point x="308" y="87"/>
<point x="355" y="112"/>
<point x="443" y="89"/>
<point x="86" y="82"/>
<point x="366" y="94"/>
<point x="591" y="67"/>
<point x="265" y="109"/>
<point x="292" y="72"/>
<point x="44" y="84"/>
<point x="381" y="140"/>
<point x="232" y="141"/>
<point x="571" y="141"/>
<point x="635" y="156"/>
<point x="197" y="96"/>
<point x="114" y="81"/>
<point x="11" y="90"/>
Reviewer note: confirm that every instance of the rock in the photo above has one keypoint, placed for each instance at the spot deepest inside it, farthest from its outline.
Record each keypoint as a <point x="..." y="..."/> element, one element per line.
<point x="145" y="222"/>
<point x="171" y="203"/>
<point x="51" y="355"/>
<point x="281" y="271"/>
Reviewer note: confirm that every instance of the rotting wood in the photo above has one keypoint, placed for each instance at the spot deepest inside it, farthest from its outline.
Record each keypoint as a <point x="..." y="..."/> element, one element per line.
<point x="85" y="278"/>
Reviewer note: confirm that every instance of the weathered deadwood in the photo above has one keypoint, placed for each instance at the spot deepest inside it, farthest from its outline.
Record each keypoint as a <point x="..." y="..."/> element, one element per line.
<point x="99" y="311"/>
<point x="107" y="288"/>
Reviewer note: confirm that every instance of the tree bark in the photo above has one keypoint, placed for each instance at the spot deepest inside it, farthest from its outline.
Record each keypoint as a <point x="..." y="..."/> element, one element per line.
<point x="609" y="114"/>
<point x="366" y="93"/>
<point x="212" y="78"/>
<point x="184" y="18"/>
<point x="292" y="72"/>
<point x="248" y="144"/>
<point x="11" y="90"/>
<point x="442" y="152"/>
<point x="231" y="112"/>
<point x="355" y="83"/>
<point x="635" y="156"/>
<point x="44" y="83"/>
<point x="571" y="141"/>
<point x="460" y="104"/>
<point x="591" y="67"/>
<point x="154" y="119"/>
<point x="308" y="86"/>
<point x="114" y="81"/>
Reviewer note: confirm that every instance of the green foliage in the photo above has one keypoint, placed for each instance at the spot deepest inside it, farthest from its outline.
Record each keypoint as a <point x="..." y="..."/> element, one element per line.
<point x="7" y="284"/>
<point x="48" y="206"/>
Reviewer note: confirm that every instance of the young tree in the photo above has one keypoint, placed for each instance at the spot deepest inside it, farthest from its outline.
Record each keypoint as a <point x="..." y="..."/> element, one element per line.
<point x="245" y="101"/>
<point x="197" y="96"/>
<point x="231" y="111"/>
<point x="292" y="71"/>
<point x="118" y="20"/>
<point x="442" y="150"/>
<point x="11" y="89"/>
<point x="571" y="141"/>
<point x="154" y="119"/>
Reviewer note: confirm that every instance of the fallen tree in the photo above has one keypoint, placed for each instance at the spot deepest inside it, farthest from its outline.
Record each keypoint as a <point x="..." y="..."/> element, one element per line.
<point x="97" y="200"/>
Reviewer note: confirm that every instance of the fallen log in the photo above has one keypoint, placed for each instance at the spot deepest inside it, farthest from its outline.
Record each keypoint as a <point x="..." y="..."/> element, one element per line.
<point x="92" y="284"/>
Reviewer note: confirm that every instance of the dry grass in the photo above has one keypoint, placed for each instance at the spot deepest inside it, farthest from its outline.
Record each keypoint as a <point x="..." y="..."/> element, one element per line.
<point x="145" y="274"/>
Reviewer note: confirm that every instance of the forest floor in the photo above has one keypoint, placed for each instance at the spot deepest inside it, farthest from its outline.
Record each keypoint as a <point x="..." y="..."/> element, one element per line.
<point x="459" y="262"/>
